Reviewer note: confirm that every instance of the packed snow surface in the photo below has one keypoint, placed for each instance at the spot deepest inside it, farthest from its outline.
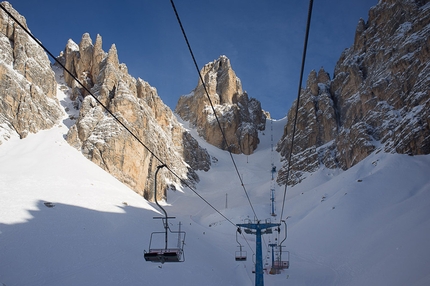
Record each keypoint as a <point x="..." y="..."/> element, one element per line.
<point x="65" y="221"/>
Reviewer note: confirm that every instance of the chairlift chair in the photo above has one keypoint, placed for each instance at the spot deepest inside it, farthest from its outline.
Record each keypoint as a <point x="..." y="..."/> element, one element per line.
<point x="241" y="254"/>
<point x="166" y="253"/>
<point x="279" y="263"/>
<point x="282" y="264"/>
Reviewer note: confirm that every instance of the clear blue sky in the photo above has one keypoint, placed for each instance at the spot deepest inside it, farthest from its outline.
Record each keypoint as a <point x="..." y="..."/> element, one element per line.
<point x="263" y="39"/>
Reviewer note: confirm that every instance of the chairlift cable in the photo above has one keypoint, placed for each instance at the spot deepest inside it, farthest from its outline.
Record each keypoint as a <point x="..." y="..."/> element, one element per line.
<point x="305" y="45"/>
<point x="83" y="86"/>
<point x="113" y="115"/>
<point x="247" y="242"/>
<point x="272" y="171"/>
<point x="212" y="106"/>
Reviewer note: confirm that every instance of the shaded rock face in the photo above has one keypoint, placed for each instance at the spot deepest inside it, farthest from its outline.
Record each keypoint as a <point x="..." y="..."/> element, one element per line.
<point x="102" y="140"/>
<point x="379" y="97"/>
<point x="316" y="128"/>
<point x="27" y="83"/>
<point x="239" y="116"/>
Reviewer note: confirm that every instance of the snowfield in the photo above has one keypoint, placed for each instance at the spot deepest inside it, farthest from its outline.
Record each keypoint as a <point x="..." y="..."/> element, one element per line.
<point x="369" y="225"/>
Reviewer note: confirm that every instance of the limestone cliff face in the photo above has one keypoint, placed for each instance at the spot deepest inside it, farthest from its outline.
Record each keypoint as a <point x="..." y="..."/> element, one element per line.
<point x="27" y="84"/>
<point x="239" y="116"/>
<point x="379" y="97"/>
<point x="316" y="126"/>
<point x="137" y="104"/>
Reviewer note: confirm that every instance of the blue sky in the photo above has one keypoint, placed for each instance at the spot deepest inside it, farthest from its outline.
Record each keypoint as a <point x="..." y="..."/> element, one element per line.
<point x="262" y="39"/>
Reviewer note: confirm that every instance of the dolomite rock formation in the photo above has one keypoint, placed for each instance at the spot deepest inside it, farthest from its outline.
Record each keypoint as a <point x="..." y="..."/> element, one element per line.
<point x="239" y="116"/>
<point x="316" y="126"/>
<point x="27" y="84"/>
<point x="379" y="98"/>
<point x="102" y="140"/>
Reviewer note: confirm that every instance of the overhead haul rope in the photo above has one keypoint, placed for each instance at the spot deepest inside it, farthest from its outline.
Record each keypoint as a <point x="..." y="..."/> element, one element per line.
<point x="212" y="106"/>
<point x="305" y="45"/>
<point x="113" y="115"/>
<point x="272" y="171"/>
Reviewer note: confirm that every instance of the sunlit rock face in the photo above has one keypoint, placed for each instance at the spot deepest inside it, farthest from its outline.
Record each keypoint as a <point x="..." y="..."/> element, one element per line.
<point x="239" y="116"/>
<point x="27" y="83"/>
<point x="159" y="136"/>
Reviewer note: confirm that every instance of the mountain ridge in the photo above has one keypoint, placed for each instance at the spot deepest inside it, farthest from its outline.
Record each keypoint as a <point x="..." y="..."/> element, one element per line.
<point x="378" y="99"/>
<point x="135" y="103"/>
<point x="369" y="105"/>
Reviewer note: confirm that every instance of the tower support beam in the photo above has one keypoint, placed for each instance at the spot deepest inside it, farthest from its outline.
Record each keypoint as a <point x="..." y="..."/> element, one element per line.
<point x="258" y="229"/>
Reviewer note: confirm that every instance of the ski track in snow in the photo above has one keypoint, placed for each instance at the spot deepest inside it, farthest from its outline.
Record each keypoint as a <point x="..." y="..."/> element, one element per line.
<point x="369" y="225"/>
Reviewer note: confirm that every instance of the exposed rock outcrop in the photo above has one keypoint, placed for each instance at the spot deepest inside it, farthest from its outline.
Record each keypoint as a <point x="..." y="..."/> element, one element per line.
<point x="379" y="97"/>
<point x="28" y="88"/>
<point x="239" y="116"/>
<point x="316" y="126"/>
<point x="137" y="104"/>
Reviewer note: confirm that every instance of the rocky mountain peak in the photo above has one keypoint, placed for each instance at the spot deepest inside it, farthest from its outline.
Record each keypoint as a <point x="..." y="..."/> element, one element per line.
<point x="28" y="103"/>
<point x="221" y="81"/>
<point x="102" y="140"/>
<point x="112" y="57"/>
<point x="239" y="116"/>
<point x="378" y="99"/>
<point x="27" y="83"/>
<point x="316" y="80"/>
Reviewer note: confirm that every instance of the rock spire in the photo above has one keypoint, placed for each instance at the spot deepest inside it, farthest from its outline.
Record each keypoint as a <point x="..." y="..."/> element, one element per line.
<point x="240" y="117"/>
<point x="102" y="140"/>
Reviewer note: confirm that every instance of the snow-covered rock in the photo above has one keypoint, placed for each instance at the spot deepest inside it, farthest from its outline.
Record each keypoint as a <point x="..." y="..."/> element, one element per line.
<point x="379" y="96"/>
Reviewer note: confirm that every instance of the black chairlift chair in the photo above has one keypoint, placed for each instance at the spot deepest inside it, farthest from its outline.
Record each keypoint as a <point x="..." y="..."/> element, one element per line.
<point x="241" y="254"/>
<point x="282" y="264"/>
<point x="279" y="263"/>
<point x="166" y="254"/>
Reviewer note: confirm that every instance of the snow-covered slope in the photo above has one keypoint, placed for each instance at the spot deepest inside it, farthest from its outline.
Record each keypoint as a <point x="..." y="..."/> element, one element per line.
<point x="369" y="225"/>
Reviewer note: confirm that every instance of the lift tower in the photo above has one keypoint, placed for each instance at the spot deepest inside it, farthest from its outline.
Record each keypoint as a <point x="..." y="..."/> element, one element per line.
<point x="258" y="229"/>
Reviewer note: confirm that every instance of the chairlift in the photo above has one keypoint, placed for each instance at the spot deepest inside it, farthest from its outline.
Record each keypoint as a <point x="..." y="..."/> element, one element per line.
<point x="166" y="254"/>
<point x="241" y="254"/>
<point x="279" y="263"/>
<point x="282" y="264"/>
